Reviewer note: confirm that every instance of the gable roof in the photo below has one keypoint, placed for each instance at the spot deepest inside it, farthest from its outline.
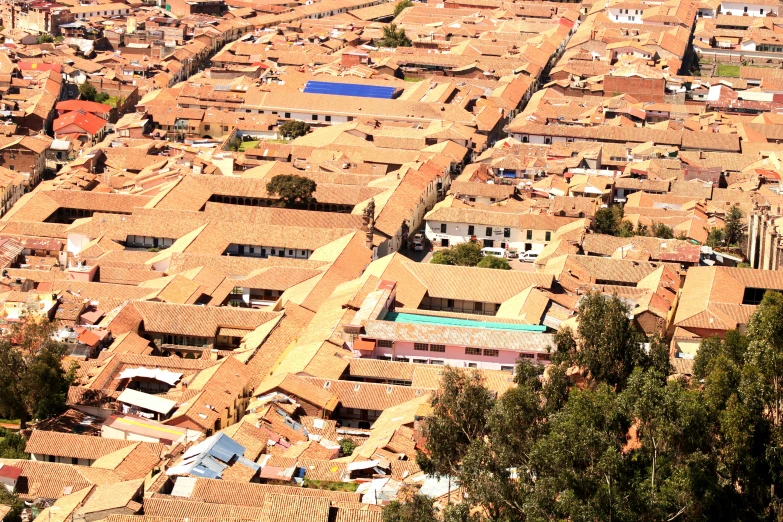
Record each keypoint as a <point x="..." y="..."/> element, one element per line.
<point x="86" y="121"/>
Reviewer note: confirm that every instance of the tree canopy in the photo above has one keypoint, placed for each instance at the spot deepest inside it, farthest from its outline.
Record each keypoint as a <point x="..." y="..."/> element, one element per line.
<point x="401" y="6"/>
<point x="393" y="37"/>
<point x="33" y="384"/>
<point x="293" y="129"/>
<point x="490" y="261"/>
<point x="291" y="189"/>
<point x="733" y="229"/>
<point x="468" y="253"/>
<point x="604" y="435"/>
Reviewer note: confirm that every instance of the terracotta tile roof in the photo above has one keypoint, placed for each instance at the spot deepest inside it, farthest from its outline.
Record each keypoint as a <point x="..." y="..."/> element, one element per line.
<point x="460" y="336"/>
<point x="133" y="462"/>
<point x="78" y="446"/>
<point x="42" y="204"/>
<point x="486" y="285"/>
<point x="114" y="496"/>
<point x="379" y="369"/>
<point x="52" y="481"/>
<point x="712" y="297"/>
<point x="368" y="396"/>
<point x="180" y="509"/>
<point x="253" y="439"/>
<point x="363" y="514"/>
<point x="298" y="387"/>
<point x="246" y="494"/>
<point x="200" y="321"/>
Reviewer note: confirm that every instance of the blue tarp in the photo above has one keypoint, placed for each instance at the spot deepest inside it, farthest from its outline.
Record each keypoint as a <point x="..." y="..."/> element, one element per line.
<point x="349" y="89"/>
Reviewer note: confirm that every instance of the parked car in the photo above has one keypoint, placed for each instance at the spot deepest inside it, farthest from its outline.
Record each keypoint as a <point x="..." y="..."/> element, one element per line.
<point x="418" y="242"/>
<point x="513" y="253"/>
<point x="529" y="256"/>
<point x="490" y="251"/>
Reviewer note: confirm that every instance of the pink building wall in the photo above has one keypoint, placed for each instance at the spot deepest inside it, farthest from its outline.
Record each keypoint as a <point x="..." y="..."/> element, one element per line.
<point x="453" y="356"/>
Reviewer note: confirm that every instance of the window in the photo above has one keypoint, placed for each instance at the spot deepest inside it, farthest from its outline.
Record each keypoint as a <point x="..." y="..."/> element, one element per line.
<point x="420" y="361"/>
<point x="471" y="230"/>
<point x="327" y="118"/>
<point x="745" y="9"/>
<point x="437" y="348"/>
<point x="489" y="232"/>
<point x="472" y="351"/>
<point x="491" y="353"/>
<point x="443" y="228"/>
<point x="529" y="234"/>
<point x="472" y="365"/>
<point x="478" y="307"/>
<point x="206" y="127"/>
<point x="421" y="347"/>
<point x="315" y="117"/>
<point x="526" y="356"/>
<point x="290" y="252"/>
<point x="436" y="362"/>
<point x="287" y="114"/>
<point x="548" y="236"/>
<point x="761" y="11"/>
<point x="385" y="344"/>
<point x="753" y="296"/>
<point x="506" y="232"/>
<point x="507" y="369"/>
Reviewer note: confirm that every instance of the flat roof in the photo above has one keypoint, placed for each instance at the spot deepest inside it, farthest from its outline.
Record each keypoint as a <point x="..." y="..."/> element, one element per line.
<point x="146" y="401"/>
<point x="349" y="89"/>
<point x="401" y="317"/>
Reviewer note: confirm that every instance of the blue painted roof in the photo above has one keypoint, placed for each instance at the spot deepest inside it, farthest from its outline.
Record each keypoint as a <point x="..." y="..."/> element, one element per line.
<point x="401" y="317"/>
<point x="349" y="89"/>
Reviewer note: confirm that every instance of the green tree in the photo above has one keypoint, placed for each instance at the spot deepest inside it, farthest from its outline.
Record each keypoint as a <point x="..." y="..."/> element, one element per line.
<point x="715" y="238"/>
<point x="12" y="500"/>
<point x="12" y="445"/>
<point x="87" y="91"/>
<point x="347" y="445"/>
<point x="401" y="6"/>
<point x="393" y="37"/>
<point x="293" y="129"/>
<point x="467" y="253"/>
<point x="102" y="97"/>
<point x="234" y="144"/>
<point x="291" y="189"/>
<point x="765" y="351"/>
<point x="459" y="417"/>
<point x="626" y="229"/>
<point x="45" y="38"/>
<point x="490" y="261"/>
<point x="733" y="230"/>
<point x="579" y="461"/>
<point x="662" y="231"/>
<point x="607" y="344"/>
<point x="607" y="220"/>
<point x="33" y="383"/>
<point x="419" y="508"/>
<point x="513" y="425"/>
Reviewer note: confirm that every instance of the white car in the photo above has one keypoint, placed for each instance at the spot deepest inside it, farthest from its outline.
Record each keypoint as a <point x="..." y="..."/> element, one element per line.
<point x="529" y="256"/>
<point x="418" y="246"/>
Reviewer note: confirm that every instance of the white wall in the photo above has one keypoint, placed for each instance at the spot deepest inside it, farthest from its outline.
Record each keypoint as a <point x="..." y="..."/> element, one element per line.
<point x="738" y="9"/>
<point x="625" y="16"/>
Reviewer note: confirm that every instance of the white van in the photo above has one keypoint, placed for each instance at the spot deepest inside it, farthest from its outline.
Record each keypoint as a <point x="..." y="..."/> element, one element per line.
<point x="497" y="252"/>
<point x="529" y="256"/>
